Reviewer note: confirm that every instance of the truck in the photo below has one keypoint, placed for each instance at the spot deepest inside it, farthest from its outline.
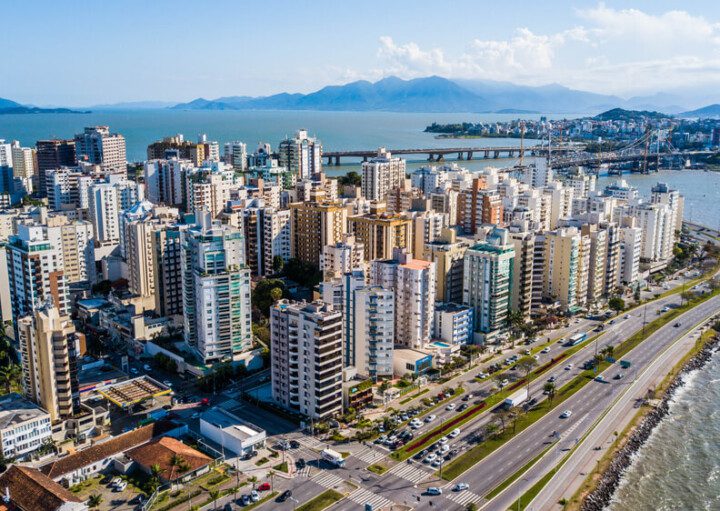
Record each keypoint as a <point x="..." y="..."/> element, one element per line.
<point x="333" y="457"/>
<point x="516" y="399"/>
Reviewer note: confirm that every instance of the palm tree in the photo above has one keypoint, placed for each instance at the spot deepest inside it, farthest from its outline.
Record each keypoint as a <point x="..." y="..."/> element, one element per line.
<point x="177" y="461"/>
<point x="95" y="500"/>
<point x="549" y="387"/>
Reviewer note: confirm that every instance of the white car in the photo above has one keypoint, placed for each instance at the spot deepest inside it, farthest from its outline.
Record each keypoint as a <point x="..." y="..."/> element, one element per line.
<point x="430" y="418"/>
<point x="254" y="496"/>
<point x="121" y="486"/>
<point x="430" y="458"/>
<point x="134" y="370"/>
<point x="445" y="448"/>
<point x="566" y="414"/>
<point x="443" y="440"/>
<point x="504" y="382"/>
<point x="545" y="350"/>
<point x="482" y="376"/>
<point x="454" y="433"/>
<point x="115" y="481"/>
<point x="461" y="487"/>
<point x="147" y="367"/>
<point x="434" y="490"/>
<point x="450" y="407"/>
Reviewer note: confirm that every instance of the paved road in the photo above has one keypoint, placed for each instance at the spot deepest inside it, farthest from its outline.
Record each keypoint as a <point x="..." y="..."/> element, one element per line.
<point x="587" y="405"/>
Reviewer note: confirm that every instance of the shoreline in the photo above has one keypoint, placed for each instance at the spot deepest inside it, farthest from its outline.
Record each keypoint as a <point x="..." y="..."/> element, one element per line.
<point x="622" y="459"/>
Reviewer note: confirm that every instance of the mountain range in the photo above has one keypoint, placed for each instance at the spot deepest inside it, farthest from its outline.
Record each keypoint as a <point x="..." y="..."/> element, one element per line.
<point x="706" y="111"/>
<point x="436" y="94"/>
<point x="8" y="106"/>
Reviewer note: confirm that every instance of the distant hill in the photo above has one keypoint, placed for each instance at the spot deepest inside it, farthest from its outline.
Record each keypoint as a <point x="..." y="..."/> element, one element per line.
<point x="430" y="94"/>
<point x="8" y="106"/>
<point x="620" y="114"/>
<point x="134" y="105"/>
<point x="706" y="111"/>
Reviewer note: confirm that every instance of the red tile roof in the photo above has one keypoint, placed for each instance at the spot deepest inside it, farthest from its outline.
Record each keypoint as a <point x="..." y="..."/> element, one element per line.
<point x="31" y="490"/>
<point x="160" y="452"/>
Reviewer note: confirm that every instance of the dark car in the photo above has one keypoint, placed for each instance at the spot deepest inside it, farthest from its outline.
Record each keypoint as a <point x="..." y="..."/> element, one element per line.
<point x="285" y="495"/>
<point x="676" y="325"/>
<point x="421" y="454"/>
<point x="227" y="507"/>
<point x="294" y="444"/>
<point x="462" y="407"/>
<point x="300" y="464"/>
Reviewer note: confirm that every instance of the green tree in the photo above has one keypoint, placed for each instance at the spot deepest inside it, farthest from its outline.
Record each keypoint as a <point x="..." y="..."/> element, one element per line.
<point x="10" y="377"/>
<point x="616" y="303"/>
<point x="277" y="264"/>
<point x="352" y="178"/>
<point x="94" y="500"/>
<point x="526" y="364"/>
<point x="265" y="294"/>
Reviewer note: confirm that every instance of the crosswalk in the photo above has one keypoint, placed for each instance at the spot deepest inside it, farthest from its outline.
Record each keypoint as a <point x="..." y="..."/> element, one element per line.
<point x="462" y="497"/>
<point x="312" y="443"/>
<point x="364" y="496"/>
<point x="327" y="480"/>
<point x="303" y="472"/>
<point x="368" y="455"/>
<point x="412" y="473"/>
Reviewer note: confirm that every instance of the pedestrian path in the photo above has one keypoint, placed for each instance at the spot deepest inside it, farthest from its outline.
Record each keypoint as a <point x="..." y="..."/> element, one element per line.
<point x="303" y="472"/>
<point x="327" y="480"/>
<point x="412" y="473"/>
<point x="462" y="497"/>
<point x="368" y="455"/>
<point x="364" y="496"/>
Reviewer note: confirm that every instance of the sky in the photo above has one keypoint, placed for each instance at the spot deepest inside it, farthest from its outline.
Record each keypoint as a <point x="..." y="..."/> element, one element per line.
<point x="79" y="53"/>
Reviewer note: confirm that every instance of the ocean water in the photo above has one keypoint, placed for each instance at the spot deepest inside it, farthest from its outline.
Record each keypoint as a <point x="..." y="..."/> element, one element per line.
<point x="679" y="466"/>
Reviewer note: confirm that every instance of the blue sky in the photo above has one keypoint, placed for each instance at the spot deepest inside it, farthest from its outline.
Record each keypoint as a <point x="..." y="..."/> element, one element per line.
<point x="80" y="53"/>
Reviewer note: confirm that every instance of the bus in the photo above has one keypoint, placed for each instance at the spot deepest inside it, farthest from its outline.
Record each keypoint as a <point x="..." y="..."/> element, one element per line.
<point x="577" y="339"/>
<point x="333" y="457"/>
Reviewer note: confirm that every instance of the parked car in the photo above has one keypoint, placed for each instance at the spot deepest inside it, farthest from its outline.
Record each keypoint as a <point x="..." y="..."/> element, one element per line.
<point x="438" y="461"/>
<point x="121" y="486"/>
<point x="264" y="487"/>
<point x="450" y="407"/>
<point x="245" y="500"/>
<point x="545" y="350"/>
<point x="254" y="496"/>
<point x="147" y="367"/>
<point x="421" y="454"/>
<point x="430" y="418"/>
<point x="454" y="433"/>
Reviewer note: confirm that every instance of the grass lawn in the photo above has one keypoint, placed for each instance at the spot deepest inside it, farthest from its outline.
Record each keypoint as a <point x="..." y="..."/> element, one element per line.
<point x="325" y="499"/>
<point x="378" y="469"/>
<point x="282" y="467"/>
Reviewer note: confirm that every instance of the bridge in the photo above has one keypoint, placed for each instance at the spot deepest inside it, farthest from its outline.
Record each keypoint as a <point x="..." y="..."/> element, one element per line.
<point x="590" y="160"/>
<point x="463" y="153"/>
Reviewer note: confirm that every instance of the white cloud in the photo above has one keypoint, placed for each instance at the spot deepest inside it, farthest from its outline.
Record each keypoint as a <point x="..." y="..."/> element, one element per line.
<point x="624" y="51"/>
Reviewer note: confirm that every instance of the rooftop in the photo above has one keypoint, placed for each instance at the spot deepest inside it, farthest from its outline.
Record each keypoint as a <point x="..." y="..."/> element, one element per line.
<point x="231" y="424"/>
<point x="130" y="392"/>
<point x="161" y="452"/>
<point x="15" y="409"/>
<point x="31" y="489"/>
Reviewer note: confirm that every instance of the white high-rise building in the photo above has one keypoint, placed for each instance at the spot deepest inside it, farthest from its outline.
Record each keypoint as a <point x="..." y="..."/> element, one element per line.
<point x="630" y="250"/>
<point x="235" y="155"/>
<point x="276" y="237"/>
<point x="104" y="209"/>
<point x="306" y="358"/>
<point x="24" y="163"/>
<point x="382" y="174"/>
<point x="216" y="294"/>
<point x="97" y="145"/>
<point x="342" y="257"/>
<point x="67" y="189"/>
<point x="165" y="180"/>
<point x="302" y="155"/>
<point x="373" y="331"/>
<point x="413" y="282"/>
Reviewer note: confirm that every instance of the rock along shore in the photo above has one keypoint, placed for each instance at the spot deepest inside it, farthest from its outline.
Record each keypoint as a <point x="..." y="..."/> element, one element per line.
<point x="600" y="498"/>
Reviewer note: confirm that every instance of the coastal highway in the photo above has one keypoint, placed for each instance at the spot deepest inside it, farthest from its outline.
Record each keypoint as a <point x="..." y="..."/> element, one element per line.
<point x="587" y="405"/>
<point x="405" y="484"/>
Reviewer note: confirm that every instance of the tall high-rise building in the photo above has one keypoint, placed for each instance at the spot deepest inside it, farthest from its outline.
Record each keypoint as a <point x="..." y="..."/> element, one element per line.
<point x="381" y="233"/>
<point x="477" y="206"/>
<point x="75" y="239"/>
<point x="314" y="225"/>
<point x="276" y="237"/>
<point x="235" y="155"/>
<point x="50" y="348"/>
<point x="167" y="256"/>
<point x="53" y="154"/>
<point x="382" y="174"/>
<point x="630" y="250"/>
<point x="301" y="155"/>
<point x="165" y="181"/>
<point x="342" y="257"/>
<point x="413" y="282"/>
<point x="448" y="253"/>
<point x="488" y="280"/>
<point x="216" y="291"/>
<point x="35" y="271"/>
<point x="523" y="269"/>
<point x="97" y="145"/>
<point x="67" y="189"/>
<point x="306" y="358"/>
<point x="373" y="331"/>
<point x="565" y="271"/>
<point x="179" y="148"/>
<point x="106" y="202"/>
<point x="25" y="167"/>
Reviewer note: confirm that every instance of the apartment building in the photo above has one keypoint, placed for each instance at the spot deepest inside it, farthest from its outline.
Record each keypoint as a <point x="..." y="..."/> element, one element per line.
<point x="301" y="155"/>
<point x="380" y="233"/>
<point x="314" y="225"/>
<point x="382" y="174"/>
<point x="97" y="145"/>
